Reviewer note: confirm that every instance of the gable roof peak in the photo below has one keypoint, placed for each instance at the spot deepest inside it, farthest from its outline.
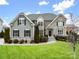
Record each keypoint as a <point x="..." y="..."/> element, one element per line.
<point x="40" y="18"/>
<point x="21" y="13"/>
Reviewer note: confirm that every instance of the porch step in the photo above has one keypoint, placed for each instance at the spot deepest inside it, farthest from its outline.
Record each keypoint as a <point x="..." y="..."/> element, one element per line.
<point x="51" y="39"/>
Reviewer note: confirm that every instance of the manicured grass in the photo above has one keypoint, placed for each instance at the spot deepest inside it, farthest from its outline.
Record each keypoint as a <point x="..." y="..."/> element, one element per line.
<point x="77" y="51"/>
<point x="58" y="50"/>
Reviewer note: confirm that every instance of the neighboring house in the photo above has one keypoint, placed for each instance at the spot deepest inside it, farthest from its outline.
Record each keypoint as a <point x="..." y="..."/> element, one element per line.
<point x="1" y="28"/>
<point x="1" y="25"/>
<point x="22" y="27"/>
<point x="72" y="27"/>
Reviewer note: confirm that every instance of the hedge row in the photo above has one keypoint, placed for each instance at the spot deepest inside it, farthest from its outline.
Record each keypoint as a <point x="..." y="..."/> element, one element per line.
<point x="15" y="41"/>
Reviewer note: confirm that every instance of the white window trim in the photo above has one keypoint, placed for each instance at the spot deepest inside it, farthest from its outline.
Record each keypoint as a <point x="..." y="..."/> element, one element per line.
<point x="13" y="32"/>
<point x="21" y="20"/>
<point x="60" y="23"/>
<point x="29" y="33"/>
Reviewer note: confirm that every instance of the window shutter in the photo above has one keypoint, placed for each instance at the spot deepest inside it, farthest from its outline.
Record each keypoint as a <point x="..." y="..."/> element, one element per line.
<point x="63" y="23"/>
<point x="57" y="23"/>
<point x="18" y="33"/>
<point x="13" y="33"/>
<point x="29" y="33"/>
<point x="18" y="21"/>
<point x="24" y="33"/>
<point x="25" y="22"/>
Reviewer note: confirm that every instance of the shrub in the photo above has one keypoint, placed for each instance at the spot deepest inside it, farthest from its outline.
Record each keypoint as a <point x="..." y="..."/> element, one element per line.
<point x="32" y="41"/>
<point x="15" y="41"/>
<point x="61" y="38"/>
<point x="25" y="41"/>
<point x="21" y="41"/>
<point x="44" y="39"/>
<point x="9" y="41"/>
<point x="6" y="35"/>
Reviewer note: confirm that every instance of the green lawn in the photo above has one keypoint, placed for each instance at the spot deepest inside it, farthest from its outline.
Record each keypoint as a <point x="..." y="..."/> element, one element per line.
<point x="77" y="51"/>
<point x="58" y="50"/>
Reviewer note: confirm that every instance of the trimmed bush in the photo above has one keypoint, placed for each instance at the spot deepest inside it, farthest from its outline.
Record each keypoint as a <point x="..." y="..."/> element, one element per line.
<point x="21" y="41"/>
<point x="32" y="41"/>
<point x="61" y="38"/>
<point x="9" y="41"/>
<point x="15" y="41"/>
<point x="25" y="41"/>
<point x="44" y="39"/>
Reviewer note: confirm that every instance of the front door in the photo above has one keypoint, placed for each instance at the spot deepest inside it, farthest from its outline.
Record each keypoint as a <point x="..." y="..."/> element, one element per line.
<point x="50" y="35"/>
<point x="50" y="32"/>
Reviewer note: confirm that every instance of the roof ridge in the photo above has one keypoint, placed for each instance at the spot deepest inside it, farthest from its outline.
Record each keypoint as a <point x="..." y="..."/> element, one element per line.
<point x="42" y="14"/>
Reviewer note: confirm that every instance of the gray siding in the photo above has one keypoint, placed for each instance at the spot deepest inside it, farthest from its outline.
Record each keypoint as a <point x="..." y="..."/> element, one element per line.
<point x="21" y="29"/>
<point x="55" y="27"/>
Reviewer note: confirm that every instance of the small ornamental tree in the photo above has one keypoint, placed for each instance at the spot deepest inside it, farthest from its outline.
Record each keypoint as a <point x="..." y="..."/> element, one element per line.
<point x="36" y="34"/>
<point x="72" y="37"/>
<point x="6" y="35"/>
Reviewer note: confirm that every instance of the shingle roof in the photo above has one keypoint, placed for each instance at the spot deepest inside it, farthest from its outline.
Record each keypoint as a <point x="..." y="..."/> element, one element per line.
<point x="46" y="16"/>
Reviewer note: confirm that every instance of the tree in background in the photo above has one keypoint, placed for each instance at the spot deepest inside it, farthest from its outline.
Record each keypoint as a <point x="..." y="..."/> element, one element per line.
<point x="72" y="37"/>
<point x="36" y="34"/>
<point x="6" y="35"/>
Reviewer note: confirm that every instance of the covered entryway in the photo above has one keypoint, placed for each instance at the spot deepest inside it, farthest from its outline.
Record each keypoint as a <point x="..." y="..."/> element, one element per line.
<point x="50" y="35"/>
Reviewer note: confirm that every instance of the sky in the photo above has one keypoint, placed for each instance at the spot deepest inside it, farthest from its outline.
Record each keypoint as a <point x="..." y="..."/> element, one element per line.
<point x="10" y="8"/>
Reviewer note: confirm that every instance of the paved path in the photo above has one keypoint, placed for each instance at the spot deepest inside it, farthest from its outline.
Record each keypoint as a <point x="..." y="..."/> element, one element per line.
<point x="30" y="44"/>
<point x="1" y="41"/>
<point x="52" y="38"/>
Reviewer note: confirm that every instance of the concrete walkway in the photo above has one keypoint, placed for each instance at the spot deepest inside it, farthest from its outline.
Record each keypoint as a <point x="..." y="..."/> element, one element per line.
<point x="52" y="38"/>
<point x="29" y="44"/>
<point x="49" y="42"/>
<point x="1" y="41"/>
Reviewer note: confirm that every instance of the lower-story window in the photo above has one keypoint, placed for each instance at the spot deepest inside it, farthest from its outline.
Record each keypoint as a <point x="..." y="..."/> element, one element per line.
<point x="15" y="33"/>
<point x="60" y="31"/>
<point x="41" y="32"/>
<point x="27" y="33"/>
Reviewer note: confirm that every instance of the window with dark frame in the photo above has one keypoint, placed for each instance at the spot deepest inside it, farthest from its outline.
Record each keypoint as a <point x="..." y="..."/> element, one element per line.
<point x="60" y="31"/>
<point x="63" y="23"/>
<point x="15" y="33"/>
<point x="57" y="23"/>
<point x="40" y="23"/>
<point x="21" y="21"/>
<point x="41" y="32"/>
<point x="27" y="33"/>
<point x="60" y="23"/>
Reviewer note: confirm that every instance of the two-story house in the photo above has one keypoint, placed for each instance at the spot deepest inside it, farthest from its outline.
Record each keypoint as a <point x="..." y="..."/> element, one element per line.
<point x="22" y="26"/>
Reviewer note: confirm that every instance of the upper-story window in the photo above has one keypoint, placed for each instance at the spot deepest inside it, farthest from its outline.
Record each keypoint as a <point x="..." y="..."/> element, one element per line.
<point x="60" y="23"/>
<point x="21" y="21"/>
<point x="40" y="23"/>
